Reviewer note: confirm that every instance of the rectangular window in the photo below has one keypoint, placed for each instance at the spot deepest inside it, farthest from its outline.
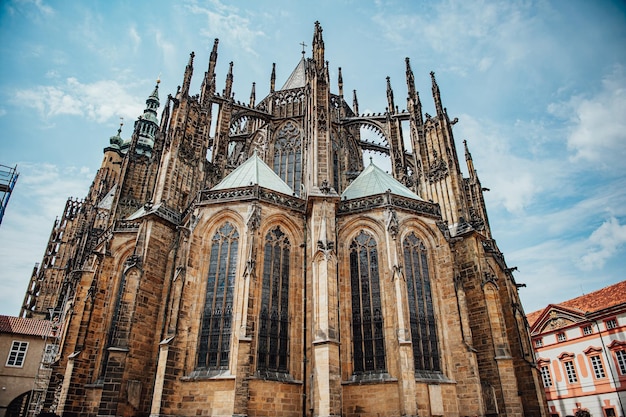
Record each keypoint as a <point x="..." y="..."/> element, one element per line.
<point x="610" y="324"/>
<point x="545" y="375"/>
<point x="17" y="354"/>
<point x="538" y="342"/>
<point x="561" y="337"/>
<point x="587" y="330"/>
<point x="598" y="369"/>
<point x="621" y="361"/>
<point x="571" y="372"/>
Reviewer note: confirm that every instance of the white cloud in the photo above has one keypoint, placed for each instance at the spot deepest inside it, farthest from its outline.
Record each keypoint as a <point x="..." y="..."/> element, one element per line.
<point x="228" y="21"/>
<point x="603" y="243"/>
<point x="135" y="38"/>
<point x="466" y="35"/>
<point x="43" y="8"/>
<point x="598" y="132"/>
<point x="99" y="101"/>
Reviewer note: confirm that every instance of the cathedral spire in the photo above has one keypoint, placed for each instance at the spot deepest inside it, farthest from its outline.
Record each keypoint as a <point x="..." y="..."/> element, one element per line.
<point x="468" y="159"/>
<point x="208" y="84"/>
<point x="340" y="82"/>
<point x="418" y="109"/>
<point x="147" y="124"/>
<point x="187" y="77"/>
<point x="273" y="78"/>
<point x="229" y="81"/>
<point x="355" y="103"/>
<point x="390" y="102"/>
<point x="318" y="47"/>
<point x="410" y="79"/>
<point x="436" y="95"/>
<point x="253" y="95"/>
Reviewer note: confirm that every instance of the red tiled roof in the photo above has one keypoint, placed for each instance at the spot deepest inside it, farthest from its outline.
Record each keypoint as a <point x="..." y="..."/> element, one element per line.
<point x="589" y="303"/>
<point x="18" y="325"/>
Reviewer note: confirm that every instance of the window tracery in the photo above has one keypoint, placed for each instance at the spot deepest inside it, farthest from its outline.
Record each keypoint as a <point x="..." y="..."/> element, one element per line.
<point x="273" y="342"/>
<point x="215" y="333"/>
<point x="367" y="318"/>
<point x="288" y="156"/>
<point x="421" y="312"/>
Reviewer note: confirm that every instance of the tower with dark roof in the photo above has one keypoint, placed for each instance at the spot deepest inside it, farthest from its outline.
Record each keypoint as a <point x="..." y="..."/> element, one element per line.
<point x="262" y="268"/>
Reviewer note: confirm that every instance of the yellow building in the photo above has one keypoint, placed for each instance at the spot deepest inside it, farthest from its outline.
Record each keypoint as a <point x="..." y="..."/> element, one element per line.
<point x="241" y="259"/>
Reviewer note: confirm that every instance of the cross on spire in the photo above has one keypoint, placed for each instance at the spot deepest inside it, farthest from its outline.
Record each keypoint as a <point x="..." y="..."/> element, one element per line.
<point x="304" y="45"/>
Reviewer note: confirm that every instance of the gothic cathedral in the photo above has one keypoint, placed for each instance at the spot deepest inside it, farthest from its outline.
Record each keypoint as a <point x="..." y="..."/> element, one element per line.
<point x="242" y="259"/>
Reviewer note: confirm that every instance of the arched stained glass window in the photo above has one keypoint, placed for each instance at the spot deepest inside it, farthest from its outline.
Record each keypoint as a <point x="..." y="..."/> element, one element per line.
<point x="421" y="314"/>
<point x="367" y="318"/>
<point x="273" y="346"/>
<point x="288" y="156"/>
<point x="218" y="306"/>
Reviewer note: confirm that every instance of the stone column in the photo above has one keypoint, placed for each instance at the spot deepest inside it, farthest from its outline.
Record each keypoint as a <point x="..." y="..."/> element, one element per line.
<point x="325" y="349"/>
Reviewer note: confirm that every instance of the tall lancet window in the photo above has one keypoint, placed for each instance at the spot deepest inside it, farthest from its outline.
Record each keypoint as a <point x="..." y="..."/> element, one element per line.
<point x="216" y="329"/>
<point x="288" y="156"/>
<point x="273" y="346"/>
<point x="421" y="314"/>
<point x="367" y="317"/>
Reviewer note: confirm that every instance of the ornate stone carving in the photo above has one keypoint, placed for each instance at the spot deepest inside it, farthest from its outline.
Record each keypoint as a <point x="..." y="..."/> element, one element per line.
<point x="391" y="222"/>
<point x="325" y="187"/>
<point x="438" y="169"/>
<point x="323" y="244"/>
<point x="253" y="218"/>
<point x="133" y="260"/>
<point x="397" y="273"/>
<point x="476" y="221"/>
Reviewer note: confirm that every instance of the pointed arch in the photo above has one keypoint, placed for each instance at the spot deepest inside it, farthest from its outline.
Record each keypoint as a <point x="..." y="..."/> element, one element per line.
<point x="367" y="317"/>
<point x="421" y="311"/>
<point x="273" y="337"/>
<point x="216" y="327"/>
<point x="288" y="155"/>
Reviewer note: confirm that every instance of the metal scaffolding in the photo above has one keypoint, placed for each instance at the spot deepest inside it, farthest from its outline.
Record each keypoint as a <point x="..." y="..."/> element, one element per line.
<point x="8" y="178"/>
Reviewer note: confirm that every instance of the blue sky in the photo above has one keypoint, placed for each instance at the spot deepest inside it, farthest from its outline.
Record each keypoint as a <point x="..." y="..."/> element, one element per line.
<point x="539" y="88"/>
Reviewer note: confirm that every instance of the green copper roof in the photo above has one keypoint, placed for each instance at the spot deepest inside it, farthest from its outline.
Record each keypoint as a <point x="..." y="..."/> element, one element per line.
<point x="374" y="180"/>
<point x="252" y="172"/>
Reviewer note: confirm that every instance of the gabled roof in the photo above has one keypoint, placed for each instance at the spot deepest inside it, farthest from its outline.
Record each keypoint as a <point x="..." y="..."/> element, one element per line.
<point x="254" y="172"/>
<point x="19" y="325"/>
<point x="107" y="200"/>
<point x="374" y="180"/>
<point x="593" y="302"/>
<point x="297" y="79"/>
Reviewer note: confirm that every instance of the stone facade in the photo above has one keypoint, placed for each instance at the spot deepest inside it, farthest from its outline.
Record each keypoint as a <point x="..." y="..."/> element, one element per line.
<point x="194" y="286"/>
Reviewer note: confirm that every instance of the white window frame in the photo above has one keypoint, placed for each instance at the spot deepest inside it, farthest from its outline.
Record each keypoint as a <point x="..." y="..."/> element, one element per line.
<point x="538" y="343"/>
<point x="545" y="376"/>
<point x="598" y="367"/>
<point x="570" y="371"/>
<point x="560" y="337"/>
<point x="17" y="354"/>
<point x="610" y="324"/>
<point x="620" y="355"/>
<point x="587" y="330"/>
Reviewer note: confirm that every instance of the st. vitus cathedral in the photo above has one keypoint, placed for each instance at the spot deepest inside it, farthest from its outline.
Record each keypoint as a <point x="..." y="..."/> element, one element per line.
<point x="241" y="259"/>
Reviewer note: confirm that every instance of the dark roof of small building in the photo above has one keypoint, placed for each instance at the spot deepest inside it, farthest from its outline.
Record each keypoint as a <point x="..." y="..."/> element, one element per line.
<point x="588" y="303"/>
<point x="19" y="325"/>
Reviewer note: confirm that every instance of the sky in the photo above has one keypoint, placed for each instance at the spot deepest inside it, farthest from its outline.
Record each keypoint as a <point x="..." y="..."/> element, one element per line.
<point x="539" y="88"/>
